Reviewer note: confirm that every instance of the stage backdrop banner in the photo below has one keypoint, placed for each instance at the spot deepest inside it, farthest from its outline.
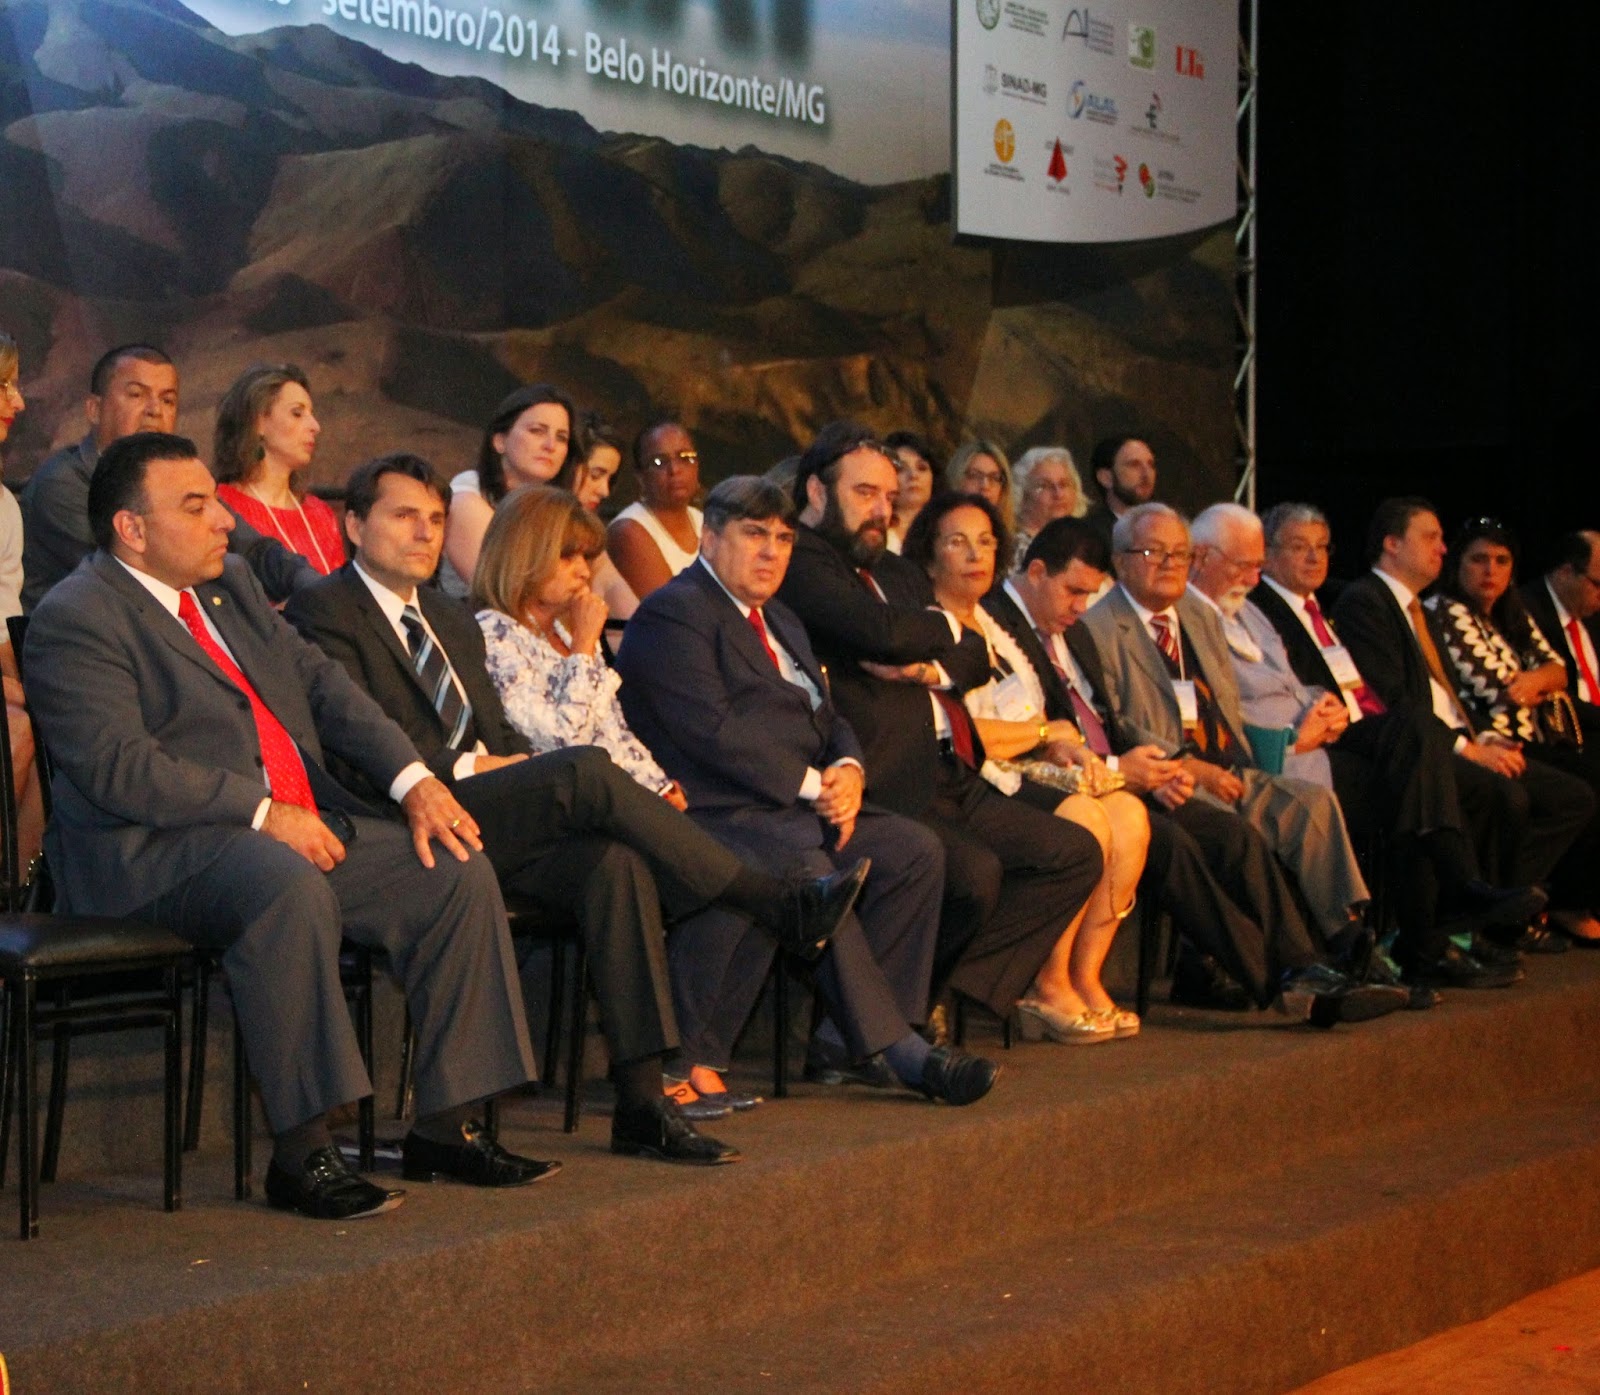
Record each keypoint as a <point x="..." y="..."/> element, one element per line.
<point x="1080" y="124"/>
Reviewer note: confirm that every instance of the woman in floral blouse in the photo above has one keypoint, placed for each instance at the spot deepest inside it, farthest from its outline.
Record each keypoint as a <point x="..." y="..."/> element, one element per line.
<point x="543" y="626"/>
<point x="1506" y="677"/>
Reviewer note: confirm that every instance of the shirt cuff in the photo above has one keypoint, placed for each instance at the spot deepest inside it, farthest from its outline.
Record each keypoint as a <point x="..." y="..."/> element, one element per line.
<point x="1113" y="762"/>
<point x="811" y="786"/>
<point x="407" y="780"/>
<point x="466" y="764"/>
<point x="1461" y="744"/>
<point x="261" y="813"/>
<point x="944" y="678"/>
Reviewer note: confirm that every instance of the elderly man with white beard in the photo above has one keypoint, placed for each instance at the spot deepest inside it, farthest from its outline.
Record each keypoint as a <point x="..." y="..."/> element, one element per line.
<point x="1389" y="770"/>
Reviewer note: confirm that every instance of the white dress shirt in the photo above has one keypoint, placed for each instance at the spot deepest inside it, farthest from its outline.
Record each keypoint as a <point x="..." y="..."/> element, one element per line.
<point x="1582" y="691"/>
<point x="1445" y="706"/>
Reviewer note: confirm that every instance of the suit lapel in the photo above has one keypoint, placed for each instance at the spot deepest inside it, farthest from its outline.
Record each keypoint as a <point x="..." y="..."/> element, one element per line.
<point x="373" y="617"/>
<point x="1137" y="642"/>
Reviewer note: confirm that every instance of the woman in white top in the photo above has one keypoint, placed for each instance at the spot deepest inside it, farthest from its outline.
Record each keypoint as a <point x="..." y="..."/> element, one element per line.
<point x="956" y="539"/>
<point x="30" y="806"/>
<point x="590" y="469"/>
<point x="655" y="539"/>
<point x="525" y="442"/>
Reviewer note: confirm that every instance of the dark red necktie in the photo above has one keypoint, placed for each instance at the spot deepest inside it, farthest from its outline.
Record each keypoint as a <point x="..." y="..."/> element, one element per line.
<point x="760" y="627"/>
<point x="1369" y="702"/>
<point x="1089" y="722"/>
<point x="1166" y="640"/>
<point x="286" y="772"/>
<point x="961" y="729"/>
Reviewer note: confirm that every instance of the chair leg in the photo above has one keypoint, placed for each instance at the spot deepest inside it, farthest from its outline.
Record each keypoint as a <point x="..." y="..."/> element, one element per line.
<point x="491" y="1119"/>
<point x="578" y="1032"/>
<point x="60" y="1059"/>
<point x="8" y="1066"/>
<point x="558" y="989"/>
<point x="366" y="1109"/>
<point x="1149" y="945"/>
<point x="27" y="1107"/>
<point x="197" y="1055"/>
<point x="408" y="1047"/>
<point x="172" y="1140"/>
<point x="780" y="1028"/>
<point x="958" y="1021"/>
<point x="241" y="1117"/>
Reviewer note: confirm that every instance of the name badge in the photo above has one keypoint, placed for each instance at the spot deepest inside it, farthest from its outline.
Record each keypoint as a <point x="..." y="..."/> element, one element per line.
<point x="1188" y="701"/>
<point x="1011" y="700"/>
<point x="1346" y="675"/>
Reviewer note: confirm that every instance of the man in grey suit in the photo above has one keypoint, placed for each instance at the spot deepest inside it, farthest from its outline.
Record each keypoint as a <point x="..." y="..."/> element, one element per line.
<point x="1169" y="681"/>
<point x="188" y="724"/>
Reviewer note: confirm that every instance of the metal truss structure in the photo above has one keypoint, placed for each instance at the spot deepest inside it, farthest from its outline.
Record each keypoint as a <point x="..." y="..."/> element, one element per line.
<point x="1244" y="245"/>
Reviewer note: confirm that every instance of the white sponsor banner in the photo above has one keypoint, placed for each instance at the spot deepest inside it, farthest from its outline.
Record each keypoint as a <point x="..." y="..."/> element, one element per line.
<point x="1077" y="123"/>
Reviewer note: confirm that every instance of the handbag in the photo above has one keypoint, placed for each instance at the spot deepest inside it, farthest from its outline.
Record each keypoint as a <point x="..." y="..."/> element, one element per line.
<point x="1557" y="719"/>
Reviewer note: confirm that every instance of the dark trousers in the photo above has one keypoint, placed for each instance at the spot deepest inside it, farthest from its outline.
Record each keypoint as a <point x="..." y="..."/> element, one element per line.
<point x="278" y="921"/>
<point x="1522" y="827"/>
<point x="573" y="831"/>
<point x="1219" y="880"/>
<point x="1394" y="772"/>
<point x="1015" y="876"/>
<point x="873" y="979"/>
<point x="1575" y="879"/>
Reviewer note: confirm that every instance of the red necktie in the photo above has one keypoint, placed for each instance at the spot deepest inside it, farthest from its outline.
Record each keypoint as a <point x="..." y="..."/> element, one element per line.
<point x="286" y="772"/>
<point x="760" y="627"/>
<point x="1166" y="640"/>
<point x="871" y="582"/>
<point x="961" y="728"/>
<point x="1369" y="702"/>
<point x="1575" y="635"/>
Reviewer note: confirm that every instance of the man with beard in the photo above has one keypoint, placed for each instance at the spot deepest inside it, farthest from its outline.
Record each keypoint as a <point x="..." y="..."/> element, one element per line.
<point x="1125" y="469"/>
<point x="1393" y="771"/>
<point x="1014" y="876"/>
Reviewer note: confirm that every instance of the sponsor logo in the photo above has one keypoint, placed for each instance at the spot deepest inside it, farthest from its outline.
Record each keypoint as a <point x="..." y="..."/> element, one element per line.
<point x="991" y="79"/>
<point x="1005" y="140"/>
<point x="1147" y="181"/>
<point x="1191" y="63"/>
<point x="988" y="13"/>
<point x="1155" y="122"/>
<point x="1110" y="172"/>
<point x="1167" y="187"/>
<point x="1141" y="45"/>
<point x="1082" y="103"/>
<point x="1057" y="169"/>
<point x="1024" y="89"/>
<point x="1096" y="35"/>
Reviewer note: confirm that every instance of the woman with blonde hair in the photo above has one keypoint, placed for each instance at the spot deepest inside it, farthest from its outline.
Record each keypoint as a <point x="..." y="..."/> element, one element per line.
<point x="980" y="467"/>
<point x="266" y="436"/>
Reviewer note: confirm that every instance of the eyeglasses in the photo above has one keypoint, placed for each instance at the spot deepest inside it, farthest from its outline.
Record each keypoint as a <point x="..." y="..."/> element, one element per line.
<point x="960" y="542"/>
<point x="1306" y="549"/>
<point x="689" y="458"/>
<point x="1160" y="556"/>
<point x="10" y="389"/>
<point x="983" y="476"/>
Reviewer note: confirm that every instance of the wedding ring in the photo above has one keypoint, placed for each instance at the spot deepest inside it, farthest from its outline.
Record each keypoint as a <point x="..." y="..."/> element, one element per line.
<point x="455" y="823"/>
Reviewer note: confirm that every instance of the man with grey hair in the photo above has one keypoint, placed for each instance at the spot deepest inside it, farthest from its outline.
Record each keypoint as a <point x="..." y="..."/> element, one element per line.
<point x="1392" y="771"/>
<point x="720" y="682"/>
<point x="1393" y="761"/>
<point x="1170" y="682"/>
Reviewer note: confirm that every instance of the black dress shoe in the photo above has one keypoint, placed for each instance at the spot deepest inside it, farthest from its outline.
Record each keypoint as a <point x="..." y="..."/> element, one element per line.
<point x="658" y="1130"/>
<point x="477" y="1160"/>
<point x="821" y="1068"/>
<point x="1455" y="968"/>
<point x="954" y="1077"/>
<point x="1324" y="996"/>
<point x="1480" y="906"/>
<point x="1491" y="952"/>
<point x="813" y="910"/>
<point x="1200" y="982"/>
<point x="328" y="1190"/>
<point x="1383" y="970"/>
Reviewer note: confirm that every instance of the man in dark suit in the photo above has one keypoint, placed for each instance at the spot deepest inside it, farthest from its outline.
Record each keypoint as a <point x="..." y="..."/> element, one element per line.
<point x="133" y="387"/>
<point x="568" y="828"/>
<point x="1015" y="876"/>
<point x="1530" y="812"/>
<point x="1211" y="871"/>
<point x="721" y="684"/>
<point x="188" y="724"/>
<point x="1565" y="604"/>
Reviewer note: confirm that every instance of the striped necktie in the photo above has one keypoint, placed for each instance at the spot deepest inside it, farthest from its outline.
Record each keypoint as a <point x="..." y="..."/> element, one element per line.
<point x="433" y="670"/>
